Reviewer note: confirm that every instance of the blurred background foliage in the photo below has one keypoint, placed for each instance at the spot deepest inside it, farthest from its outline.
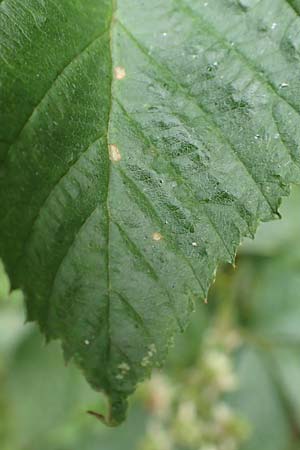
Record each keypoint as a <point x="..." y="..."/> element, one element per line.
<point x="231" y="382"/>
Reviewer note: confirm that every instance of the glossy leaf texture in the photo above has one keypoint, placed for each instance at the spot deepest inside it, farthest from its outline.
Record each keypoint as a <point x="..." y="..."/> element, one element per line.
<point x="140" y="141"/>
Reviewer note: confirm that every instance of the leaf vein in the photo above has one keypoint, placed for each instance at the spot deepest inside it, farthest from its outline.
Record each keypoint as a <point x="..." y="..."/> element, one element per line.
<point x="134" y="250"/>
<point x="133" y="313"/>
<point x="131" y="184"/>
<point x="148" y="140"/>
<point x="58" y="76"/>
<point x="248" y="62"/>
<point x="64" y="175"/>
<point x="65" y="256"/>
<point x="208" y="115"/>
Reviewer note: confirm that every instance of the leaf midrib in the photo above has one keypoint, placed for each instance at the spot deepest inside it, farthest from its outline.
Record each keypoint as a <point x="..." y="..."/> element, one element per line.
<point x="108" y="239"/>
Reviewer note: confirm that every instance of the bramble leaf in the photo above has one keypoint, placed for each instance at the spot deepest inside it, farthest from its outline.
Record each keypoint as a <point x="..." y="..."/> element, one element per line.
<point x="139" y="142"/>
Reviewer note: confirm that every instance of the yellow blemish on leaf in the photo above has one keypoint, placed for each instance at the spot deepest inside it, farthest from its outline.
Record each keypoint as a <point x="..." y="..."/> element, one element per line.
<point x="157" y="236"/>
<point x="114" y="154"/>
<point x="120" y="73"/>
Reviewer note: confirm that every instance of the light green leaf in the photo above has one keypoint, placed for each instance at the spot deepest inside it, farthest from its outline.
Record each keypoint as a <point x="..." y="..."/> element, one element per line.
<point x="140" y="141"/>
<point x="4" y="283"/>
<point x="268" y="363"/>
<point x="261" y="300"/>
<point x="6" y="294"/>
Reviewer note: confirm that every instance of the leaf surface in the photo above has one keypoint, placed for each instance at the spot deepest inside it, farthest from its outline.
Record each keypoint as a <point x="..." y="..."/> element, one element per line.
<point x="139" y="142"/>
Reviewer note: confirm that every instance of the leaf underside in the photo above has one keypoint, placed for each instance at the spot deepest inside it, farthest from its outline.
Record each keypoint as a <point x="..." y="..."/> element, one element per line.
<point x="139" y="142"/>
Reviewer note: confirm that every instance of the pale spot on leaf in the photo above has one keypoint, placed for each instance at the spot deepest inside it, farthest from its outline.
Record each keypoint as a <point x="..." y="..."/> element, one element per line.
<point x="114" y="154"/>
<point x="120" y="73"/>
<point x="157" y="236"/>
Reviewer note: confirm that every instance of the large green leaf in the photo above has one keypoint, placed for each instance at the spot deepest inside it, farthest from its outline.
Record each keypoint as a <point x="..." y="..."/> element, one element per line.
<point x="139" y="143"/>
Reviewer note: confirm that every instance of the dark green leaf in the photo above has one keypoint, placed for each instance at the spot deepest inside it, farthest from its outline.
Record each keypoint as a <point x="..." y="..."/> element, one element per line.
<point x="139" y="143"/>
